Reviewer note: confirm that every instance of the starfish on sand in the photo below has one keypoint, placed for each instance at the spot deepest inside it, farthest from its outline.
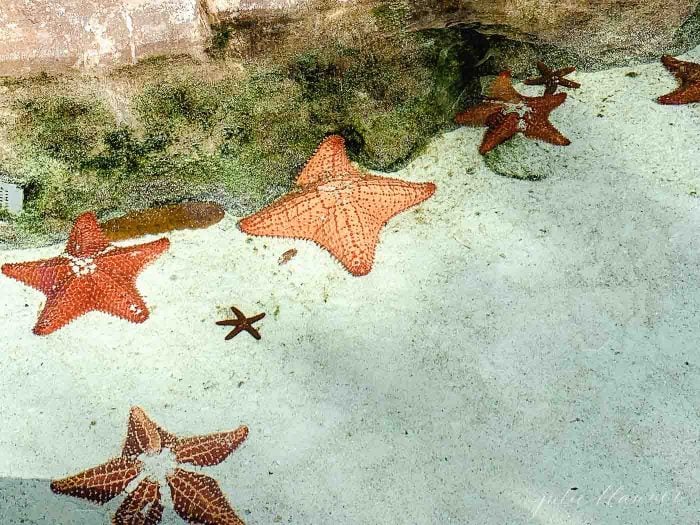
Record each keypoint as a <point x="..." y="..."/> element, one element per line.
<point x="240" y="323"/>
<point x="506" y="112"/>
<point x="551" y="79"/>
<point x="338" y="206"/>
<point x="148" y="449"/>
<point x="688" y="73"/>
<point x="91" y="274"/>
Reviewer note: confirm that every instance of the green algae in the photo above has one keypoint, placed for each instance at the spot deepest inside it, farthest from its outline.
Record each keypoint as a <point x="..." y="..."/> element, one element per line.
<point x="229" y="131"/>
<point x="522" y="158"/>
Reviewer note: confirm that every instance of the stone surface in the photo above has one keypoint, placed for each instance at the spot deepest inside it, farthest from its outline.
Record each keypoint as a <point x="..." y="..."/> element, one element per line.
<point x="589" y="29"/>
<point x="52" y="34"/>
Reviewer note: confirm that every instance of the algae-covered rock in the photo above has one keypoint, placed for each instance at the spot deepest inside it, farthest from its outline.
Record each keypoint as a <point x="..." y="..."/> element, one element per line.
<point x="522" y="158"/>
<point x="225" y="128"/>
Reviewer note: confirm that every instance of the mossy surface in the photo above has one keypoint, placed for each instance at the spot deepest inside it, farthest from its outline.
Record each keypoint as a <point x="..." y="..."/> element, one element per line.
<point x="522" y="158"/>
<point x="225" y="129"/>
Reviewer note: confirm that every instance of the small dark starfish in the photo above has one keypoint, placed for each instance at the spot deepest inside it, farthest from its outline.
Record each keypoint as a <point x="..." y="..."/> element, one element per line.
<point x="553" y="78"/>
<point x="241" y="323"/>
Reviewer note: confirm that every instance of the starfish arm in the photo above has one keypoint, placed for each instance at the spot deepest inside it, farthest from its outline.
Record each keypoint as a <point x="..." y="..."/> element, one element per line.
<point x="535" y="81"/>
<point x="497" y="134"/>
<point x="384" y="197"/>
<point x="544" y="130"/>
<point x="145" y="498"/>
<point x="672" y="64"/>
<point x="544" y="105"/>
<point x="542" y="67"/>
<point x="233" y="333"/>
<point x="502" y="89"/>
<point x="86" y="238"/>
<point x="228" y="322"/>
<point x="329" y="159"/>
<point x="76" y="298"/>
<point x="47" y="276"/>
<point x="99" y="484"/>
<point x="299" y="215"/>
<point x="478" y="115"/>
<point x="256" y="318"/>
<point x="240" y="316"/>
<point x="142" y="435"/>
<point x="119" y="300"/>
<point x="569" y="83"/>
<point x="209" y="450"/>
<point x="198" y="499"/>
<point x="125" y="263"/>
<point x="687" y="93"/>
<point x="351" y="236"/>
<point x="254" y="332"/>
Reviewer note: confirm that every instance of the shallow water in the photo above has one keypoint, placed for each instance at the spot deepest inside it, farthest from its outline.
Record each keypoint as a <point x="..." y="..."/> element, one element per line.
<point x="522" y="351"/>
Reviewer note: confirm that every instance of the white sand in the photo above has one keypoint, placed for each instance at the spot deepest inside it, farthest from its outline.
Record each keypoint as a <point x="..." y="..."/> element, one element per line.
<point x="514" y="340"/>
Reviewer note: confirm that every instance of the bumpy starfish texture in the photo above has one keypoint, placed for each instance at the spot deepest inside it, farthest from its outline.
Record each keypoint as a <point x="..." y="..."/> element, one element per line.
<point x="339" y="207"/>
<point x="688" y="74"/>
<point x="91" y="274"/>
<point x="506" y="112"/>
<point x="196" y="497"/>
<point x="241" y="323"/>
<point x="551" y="79"/>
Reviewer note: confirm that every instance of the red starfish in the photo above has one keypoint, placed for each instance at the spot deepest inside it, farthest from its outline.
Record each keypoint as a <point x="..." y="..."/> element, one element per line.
<point x="91" y="274"/>
<point x="507" y="112"/>
<point x="197" y="498"/>
<point x="688" y="73"/>
<point x="552" y="78"/>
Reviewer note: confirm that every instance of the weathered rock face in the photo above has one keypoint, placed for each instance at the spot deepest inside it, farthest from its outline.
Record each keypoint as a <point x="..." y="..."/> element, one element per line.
<point x="52" y="34"/>
<point x="603" y="30"/>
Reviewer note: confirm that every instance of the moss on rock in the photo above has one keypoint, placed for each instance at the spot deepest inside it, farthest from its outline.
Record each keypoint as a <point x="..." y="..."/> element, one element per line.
<point x="235" y="132"/>
<point x="522" y="158"/>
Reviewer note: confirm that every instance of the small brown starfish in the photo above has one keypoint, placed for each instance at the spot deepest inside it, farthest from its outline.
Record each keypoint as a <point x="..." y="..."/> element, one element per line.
<point x="241" y="323"/>
<point x="688" y="73"/>
<point x="552" y="78"/>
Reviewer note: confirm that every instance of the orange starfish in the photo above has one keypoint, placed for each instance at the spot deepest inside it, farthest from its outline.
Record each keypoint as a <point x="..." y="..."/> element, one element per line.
<point x="197" y="498"/>
<point x="339" y="207"/>
<point x="507" y="112"/>
<point x="688" y="73"/>
<point x="91" y="274"/>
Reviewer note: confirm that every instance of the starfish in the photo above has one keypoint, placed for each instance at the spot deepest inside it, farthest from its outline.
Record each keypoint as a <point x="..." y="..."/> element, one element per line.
<point x="241" y="323"/>
<point x="552" y="78"/>
<point x="148" y="448"/>
<point x="338" y="206"/>
<point x="688" y="73"/>
<point x="507" y="112"/>
<point x="91" y="274"/>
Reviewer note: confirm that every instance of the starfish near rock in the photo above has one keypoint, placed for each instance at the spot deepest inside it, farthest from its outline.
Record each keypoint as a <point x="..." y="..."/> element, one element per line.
<point x="91" y="274"/>
<point x="688" y="73"/>
<point x="551" y="79"/>
<point x="339" y="207"/>
<point x="506" y="112"/>
<point x="148" y="450"/>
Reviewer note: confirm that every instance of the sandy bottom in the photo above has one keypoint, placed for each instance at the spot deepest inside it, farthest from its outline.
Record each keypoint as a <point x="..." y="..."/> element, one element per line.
<point x="522" y="352"/>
